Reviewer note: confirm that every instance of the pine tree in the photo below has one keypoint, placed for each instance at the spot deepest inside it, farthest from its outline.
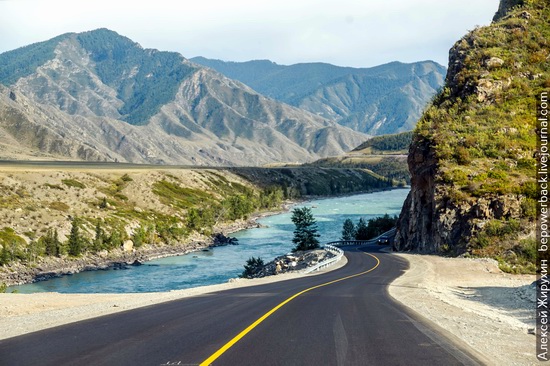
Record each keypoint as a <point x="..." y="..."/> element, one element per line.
<point x="305" y="233"/>
<point x="5" y="255"/>
<point x="348" y="230"/>
<point x="362" y="232"/>
<point x="52" y="246"/>
<point x="103" y="204"/>
<point x="57" y="243"/>
<point x="75" y="240"/>
<point x="98" y="238"/>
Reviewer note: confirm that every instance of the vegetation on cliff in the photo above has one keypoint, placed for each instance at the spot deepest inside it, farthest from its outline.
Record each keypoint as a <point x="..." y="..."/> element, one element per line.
<point x="473" y="148"/>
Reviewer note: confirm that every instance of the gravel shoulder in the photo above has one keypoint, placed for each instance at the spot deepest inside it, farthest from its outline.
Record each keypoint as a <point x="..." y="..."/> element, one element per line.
<point x="489" y="310"/>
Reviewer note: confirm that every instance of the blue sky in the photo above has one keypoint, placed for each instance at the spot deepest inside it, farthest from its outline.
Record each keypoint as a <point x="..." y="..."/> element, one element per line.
<point x="359" y="33"/>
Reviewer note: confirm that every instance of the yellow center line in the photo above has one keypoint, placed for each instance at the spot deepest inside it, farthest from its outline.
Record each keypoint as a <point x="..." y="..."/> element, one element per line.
<point x="239" y="336"/>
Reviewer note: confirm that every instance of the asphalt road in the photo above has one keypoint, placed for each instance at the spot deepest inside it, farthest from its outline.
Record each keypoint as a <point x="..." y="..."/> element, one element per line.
<point x="343" y="317"/>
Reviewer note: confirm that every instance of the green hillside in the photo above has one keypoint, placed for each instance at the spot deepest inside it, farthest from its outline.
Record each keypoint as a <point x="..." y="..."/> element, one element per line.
<point x="23" y="61"/>
<point x="387" y="144"/>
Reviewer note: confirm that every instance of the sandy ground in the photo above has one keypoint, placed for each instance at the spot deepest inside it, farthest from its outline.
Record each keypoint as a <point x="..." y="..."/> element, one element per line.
<point x="472" y="299"/>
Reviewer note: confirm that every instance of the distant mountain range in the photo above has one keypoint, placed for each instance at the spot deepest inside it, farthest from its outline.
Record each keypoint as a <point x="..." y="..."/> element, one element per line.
<point x="379" y="100"/>
<point x="100" y="96"/>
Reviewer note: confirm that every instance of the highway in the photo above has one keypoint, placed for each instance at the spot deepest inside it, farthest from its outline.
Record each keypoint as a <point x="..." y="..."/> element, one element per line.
<point x="343" y="317"/>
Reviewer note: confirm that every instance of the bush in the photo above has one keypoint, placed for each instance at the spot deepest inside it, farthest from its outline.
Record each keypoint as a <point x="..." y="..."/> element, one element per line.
<point x="73" y="183"/>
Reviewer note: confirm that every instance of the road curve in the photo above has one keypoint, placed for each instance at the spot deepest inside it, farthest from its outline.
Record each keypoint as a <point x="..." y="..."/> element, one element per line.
<point x="343" y="317"/>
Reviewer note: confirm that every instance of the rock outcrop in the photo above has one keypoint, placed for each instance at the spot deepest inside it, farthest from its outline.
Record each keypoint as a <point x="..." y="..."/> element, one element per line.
<point x="505" y="6"/>
<point x="291" y="263"/>
<point x="461" y="182"/>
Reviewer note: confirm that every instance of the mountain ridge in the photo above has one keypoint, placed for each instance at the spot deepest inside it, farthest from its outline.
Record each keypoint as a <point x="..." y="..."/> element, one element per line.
<point x="116" y="94"/>
<point x="363" y="99"/>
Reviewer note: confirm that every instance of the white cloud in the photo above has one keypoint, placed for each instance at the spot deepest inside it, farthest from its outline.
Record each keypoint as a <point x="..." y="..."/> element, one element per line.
<point x="344" y="32"/>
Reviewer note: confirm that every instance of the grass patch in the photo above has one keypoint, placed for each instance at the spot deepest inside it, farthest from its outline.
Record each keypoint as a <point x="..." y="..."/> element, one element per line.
<point x="53" y="186"/>
<point x="181" y="197"/>
<point x="73" y="183"/>
<point x="59" y="206"/>
<point x="8" y="236"/>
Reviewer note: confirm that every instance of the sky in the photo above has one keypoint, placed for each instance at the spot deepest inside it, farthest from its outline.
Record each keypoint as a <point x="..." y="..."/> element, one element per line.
<point x="357" y="33"/>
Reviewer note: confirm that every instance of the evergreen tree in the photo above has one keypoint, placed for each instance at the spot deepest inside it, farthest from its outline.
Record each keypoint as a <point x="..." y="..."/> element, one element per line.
<point x="305" y="233"/>
<point x="5" y="256"/>
<point x="52" y="246"/>
<point x="34" y="250"/>
<point x="252" y="266"/>
<point x="362" y="232"/>
<point x="75" y="239"/>
<point x="348" y="230"/>
<point x="99" y="238"/>
<point x="103" y="204"/>
<point x="57" y="243"/>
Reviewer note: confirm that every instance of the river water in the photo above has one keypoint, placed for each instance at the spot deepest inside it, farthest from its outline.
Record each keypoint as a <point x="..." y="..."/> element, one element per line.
<point x="220" y="264"/>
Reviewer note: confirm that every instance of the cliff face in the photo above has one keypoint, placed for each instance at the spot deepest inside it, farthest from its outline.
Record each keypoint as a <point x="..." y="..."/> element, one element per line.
<point x="505" y="6"/>
<point x="472" y="157"/>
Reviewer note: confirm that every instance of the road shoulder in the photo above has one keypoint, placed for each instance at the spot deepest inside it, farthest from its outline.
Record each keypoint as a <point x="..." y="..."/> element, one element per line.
<point x="488" y="310"/>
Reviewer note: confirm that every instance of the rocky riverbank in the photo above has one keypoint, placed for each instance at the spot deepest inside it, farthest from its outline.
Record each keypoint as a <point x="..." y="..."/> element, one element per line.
<point x="51" y="267"/>
<point x="288" y="263"/>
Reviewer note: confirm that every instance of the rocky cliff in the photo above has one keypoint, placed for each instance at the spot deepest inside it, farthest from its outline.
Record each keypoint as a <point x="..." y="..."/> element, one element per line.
<point x="472" y="157"/>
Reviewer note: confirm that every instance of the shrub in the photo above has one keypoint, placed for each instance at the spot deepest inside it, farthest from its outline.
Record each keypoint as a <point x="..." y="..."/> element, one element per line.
<point x="73" y="183"/>
<point x="252" y="266"/>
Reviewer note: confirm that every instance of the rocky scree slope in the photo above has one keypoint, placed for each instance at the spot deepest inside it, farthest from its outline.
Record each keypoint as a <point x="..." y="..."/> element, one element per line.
<point x="103" y="97"/>
<point x="472" y="159"/>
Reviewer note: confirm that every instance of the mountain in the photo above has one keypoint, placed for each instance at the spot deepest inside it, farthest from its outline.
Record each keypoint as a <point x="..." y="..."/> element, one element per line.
<point x="472" y="159"/>
<point x="101" y="96"/>
<point x="379" y="100"/>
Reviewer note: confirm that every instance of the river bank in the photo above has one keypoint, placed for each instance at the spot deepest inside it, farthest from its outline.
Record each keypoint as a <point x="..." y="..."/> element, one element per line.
<point x="52" y="267"/>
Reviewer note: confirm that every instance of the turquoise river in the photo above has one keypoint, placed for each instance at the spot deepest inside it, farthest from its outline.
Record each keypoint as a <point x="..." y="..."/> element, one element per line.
<point x="220" y="264"/>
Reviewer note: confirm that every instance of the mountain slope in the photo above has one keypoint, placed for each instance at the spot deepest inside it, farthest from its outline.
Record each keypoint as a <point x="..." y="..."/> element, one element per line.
<point x="145" y="106"/>
<point x="472" y="157"/>
<point x="385" y="155"/>
<point x="378" y="100"/>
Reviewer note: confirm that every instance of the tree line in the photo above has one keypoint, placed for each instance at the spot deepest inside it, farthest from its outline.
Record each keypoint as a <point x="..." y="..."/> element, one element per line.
<point x="366" y="230"/>
<point x="109" y="234"/>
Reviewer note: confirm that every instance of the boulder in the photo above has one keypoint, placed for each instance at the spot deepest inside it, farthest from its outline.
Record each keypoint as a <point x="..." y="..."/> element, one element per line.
<point x="128" y="246"/>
